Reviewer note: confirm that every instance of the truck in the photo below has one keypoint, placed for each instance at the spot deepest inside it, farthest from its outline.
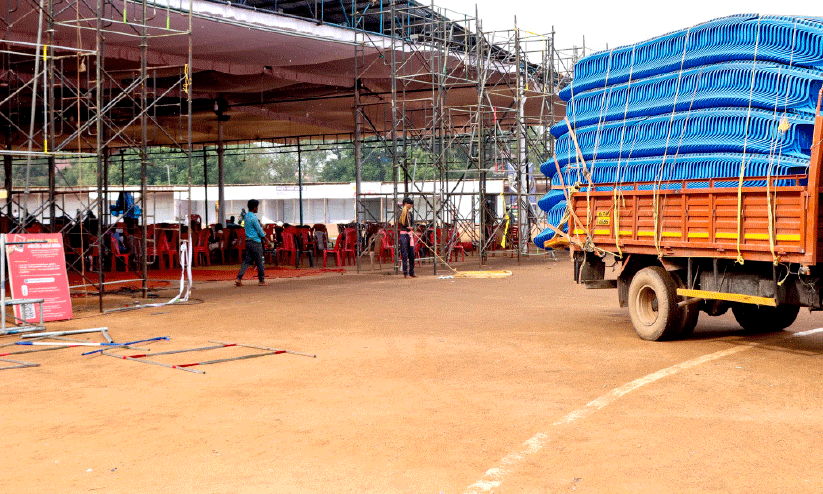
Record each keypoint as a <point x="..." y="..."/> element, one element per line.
<point x="681" y="250"/>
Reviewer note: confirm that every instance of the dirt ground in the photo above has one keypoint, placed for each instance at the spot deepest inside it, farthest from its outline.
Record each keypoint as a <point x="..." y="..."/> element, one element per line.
<point x="527" y="384"/>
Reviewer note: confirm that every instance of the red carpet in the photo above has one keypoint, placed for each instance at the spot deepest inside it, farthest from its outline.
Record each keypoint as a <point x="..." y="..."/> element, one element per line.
<point x="162" y="278"/>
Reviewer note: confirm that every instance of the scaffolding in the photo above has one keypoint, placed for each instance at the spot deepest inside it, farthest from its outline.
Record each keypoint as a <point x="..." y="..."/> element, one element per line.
<point x="82" y="107"/>
<point x="446" y="102"/>
<point x="469" y="104"/>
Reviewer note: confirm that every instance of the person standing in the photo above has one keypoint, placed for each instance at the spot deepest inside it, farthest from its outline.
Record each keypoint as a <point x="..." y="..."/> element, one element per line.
<point x="405" y="224"/>
<point x="255" y="236"/>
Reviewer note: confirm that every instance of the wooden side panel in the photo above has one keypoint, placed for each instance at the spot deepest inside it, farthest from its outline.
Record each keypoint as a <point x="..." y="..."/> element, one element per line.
<point x="710" y="222"/>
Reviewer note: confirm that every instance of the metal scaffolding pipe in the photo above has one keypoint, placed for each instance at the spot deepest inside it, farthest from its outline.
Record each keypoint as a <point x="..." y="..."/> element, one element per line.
<point x="221" y="177"/>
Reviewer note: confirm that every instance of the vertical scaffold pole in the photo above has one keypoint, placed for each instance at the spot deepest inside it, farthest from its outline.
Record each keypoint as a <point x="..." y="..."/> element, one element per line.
<point x="143" y="142"/>
<point x="3" y="283"/>
<point x="300" y="179"/>
<point x="221" y="177"/>
<point x="205" y="183"/>
<point x="358" y="151"/>
<point x="189" y="148"/>
<point x="394" y="124"/>
<point x="50" y="117"/>
<point x="481" y="138"/>
<point x="98" y="102"/>
<point x="519" y="136"/>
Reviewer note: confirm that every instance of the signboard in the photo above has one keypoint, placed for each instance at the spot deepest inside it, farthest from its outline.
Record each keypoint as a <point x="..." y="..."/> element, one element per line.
<point x="39" y="271"/>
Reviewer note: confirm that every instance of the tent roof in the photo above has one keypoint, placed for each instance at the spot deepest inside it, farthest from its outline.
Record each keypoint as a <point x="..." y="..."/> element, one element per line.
<point x="281" y="73"/>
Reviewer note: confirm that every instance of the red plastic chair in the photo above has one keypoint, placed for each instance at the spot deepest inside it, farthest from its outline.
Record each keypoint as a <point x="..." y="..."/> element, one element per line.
<point x="350" y="246"/>
<point x="239" y="243"/>
<point x="419" y="243"/>
<point x="268" y="229"/>
<point x="174" y="246"/>
<point x="289" y="248"/>
<point x="513" y="241"/>
<point x="337" y="251"/>
<point x="195" y="219"/>
<point x="35" y="227"/>
<point x="115" y="250"/>
<point x="93" y="251"/>
<point x="321" y="241"/>
<point x="306" y="245"/>
<point x="72" y="253"/>
<point x="151" y="244"/>
<point x="454" y="245"/>
<point x="433" y="238"/>
<point x="270" y="243"/>
<point x="201" y="248"/>
<point x="223" y="244"/>
<point x="166" y="249"/>
<point x="386" y="245"/>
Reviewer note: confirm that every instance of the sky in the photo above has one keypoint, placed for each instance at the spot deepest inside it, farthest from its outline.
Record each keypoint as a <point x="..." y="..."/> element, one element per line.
<point x="615" y="23"/>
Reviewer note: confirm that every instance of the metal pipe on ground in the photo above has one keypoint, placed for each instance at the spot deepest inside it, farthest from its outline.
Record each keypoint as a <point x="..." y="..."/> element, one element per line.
<point x="64" y="333"/>
<point x="265" y="348"/>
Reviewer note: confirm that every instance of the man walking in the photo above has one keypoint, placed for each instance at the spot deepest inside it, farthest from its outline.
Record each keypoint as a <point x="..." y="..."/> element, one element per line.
<point x="255" y="236"/>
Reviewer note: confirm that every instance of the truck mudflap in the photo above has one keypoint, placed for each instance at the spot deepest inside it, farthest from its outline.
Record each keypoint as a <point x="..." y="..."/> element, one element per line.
<point x="588" y="268"/>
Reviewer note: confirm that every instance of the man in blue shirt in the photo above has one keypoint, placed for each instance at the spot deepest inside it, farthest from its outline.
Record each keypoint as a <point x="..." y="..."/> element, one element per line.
<point x="255" y="236"/>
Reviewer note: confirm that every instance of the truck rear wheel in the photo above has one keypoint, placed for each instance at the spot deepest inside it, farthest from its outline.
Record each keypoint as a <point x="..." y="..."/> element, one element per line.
<point x="764" y="319"/>
<point x="653" y="304"/>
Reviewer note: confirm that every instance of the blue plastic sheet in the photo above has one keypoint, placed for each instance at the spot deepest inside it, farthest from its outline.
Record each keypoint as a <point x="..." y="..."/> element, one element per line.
<point x="727" y="130"/>
<point x="796" y="41"/>
<point x="733" y="97"/>
<point x="555" y="216"/>
<point x="682" y="167"/>
<point x="766" y="86"/>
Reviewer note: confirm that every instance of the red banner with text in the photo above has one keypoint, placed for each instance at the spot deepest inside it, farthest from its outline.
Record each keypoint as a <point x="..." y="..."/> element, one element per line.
<point x="38" y="270"/>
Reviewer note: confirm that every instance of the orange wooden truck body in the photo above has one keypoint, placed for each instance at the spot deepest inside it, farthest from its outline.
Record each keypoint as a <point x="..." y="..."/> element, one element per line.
<point x="718" y="221"/>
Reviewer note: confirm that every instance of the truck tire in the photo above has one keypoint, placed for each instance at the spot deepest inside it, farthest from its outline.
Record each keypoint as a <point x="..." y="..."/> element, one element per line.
<point x="764" y="319"/>
<point x="688" y="314"/>
<point x="653" y="304"/>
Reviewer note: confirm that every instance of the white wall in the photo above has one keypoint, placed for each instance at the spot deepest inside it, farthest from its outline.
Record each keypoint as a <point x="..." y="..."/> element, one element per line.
<point x="322" y="203"/>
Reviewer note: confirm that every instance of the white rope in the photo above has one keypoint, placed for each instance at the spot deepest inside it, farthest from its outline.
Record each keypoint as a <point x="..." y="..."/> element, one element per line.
<point x="185" y="288"/>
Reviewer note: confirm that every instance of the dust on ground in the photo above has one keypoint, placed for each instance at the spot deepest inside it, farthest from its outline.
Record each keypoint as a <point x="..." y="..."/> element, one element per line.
<point x="419" y="386"/>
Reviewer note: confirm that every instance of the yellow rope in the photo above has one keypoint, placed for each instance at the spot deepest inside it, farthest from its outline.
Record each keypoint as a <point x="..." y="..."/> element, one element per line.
<point x="45" y="134"/>
<point x="745" y="144"/>
<point x="482" y="274"/>
<point x="589" y="244"/>
<point x="617" y="194"/>
<point x="659" y="179"/>
<point x="601" y="120"/>
<point x="506" y="228"/>
<point x="586" y="173"/>
<point x="782" y="128"/>
<point x="567" y="192"/>
<point x="186" y="79"/>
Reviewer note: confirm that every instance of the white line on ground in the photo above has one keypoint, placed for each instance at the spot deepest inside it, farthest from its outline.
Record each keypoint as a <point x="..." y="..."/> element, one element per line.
<point x="806" y="333"/>
<point x="495" y="476"/>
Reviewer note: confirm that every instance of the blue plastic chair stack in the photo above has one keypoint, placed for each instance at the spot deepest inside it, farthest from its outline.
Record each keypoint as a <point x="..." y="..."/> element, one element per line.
<point x="728" y="100"/>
